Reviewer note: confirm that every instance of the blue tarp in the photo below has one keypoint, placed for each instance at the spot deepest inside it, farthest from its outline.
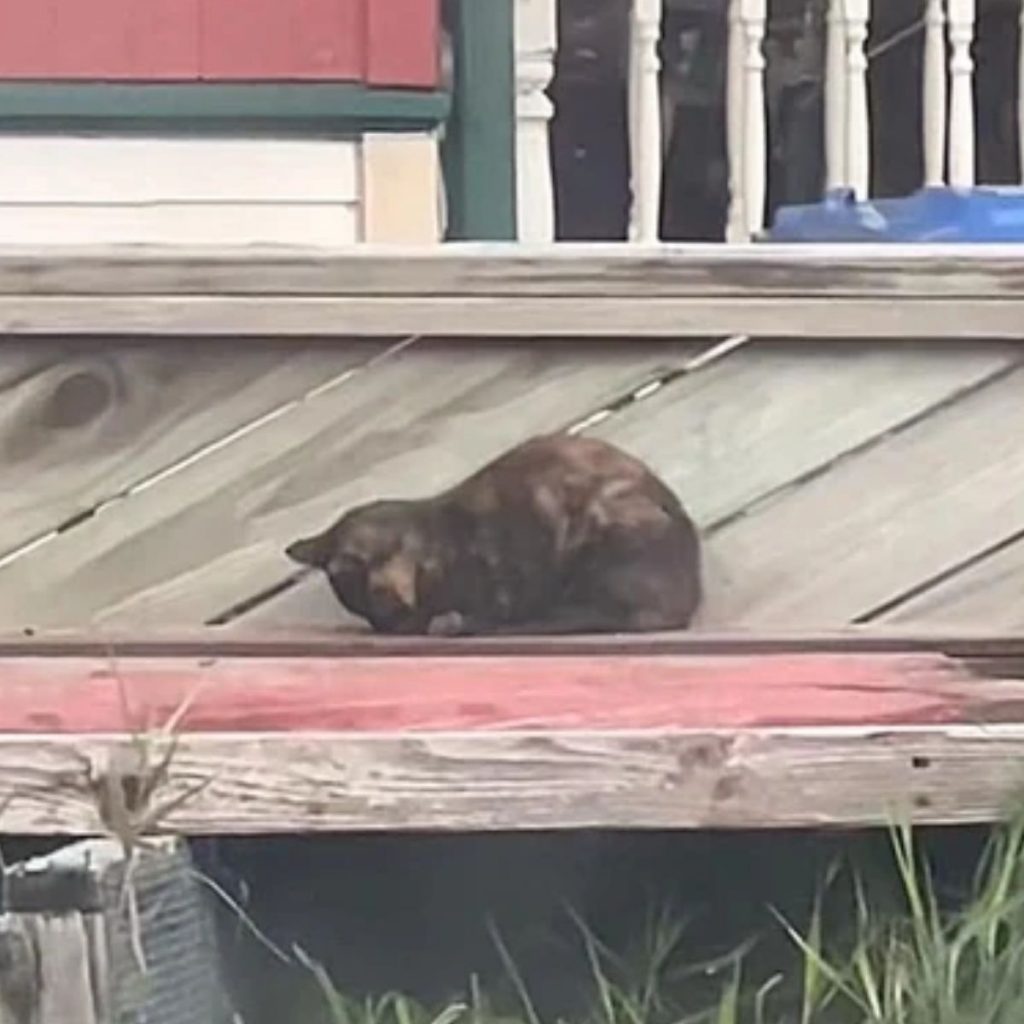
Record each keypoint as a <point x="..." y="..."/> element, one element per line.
<point x="988" y="214"/>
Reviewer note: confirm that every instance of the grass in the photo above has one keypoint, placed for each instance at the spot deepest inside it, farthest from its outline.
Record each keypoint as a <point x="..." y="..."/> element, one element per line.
<point x="863" y="956"/>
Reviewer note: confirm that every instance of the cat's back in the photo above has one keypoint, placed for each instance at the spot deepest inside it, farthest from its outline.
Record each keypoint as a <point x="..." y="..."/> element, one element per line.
<point x="569" y="470"/>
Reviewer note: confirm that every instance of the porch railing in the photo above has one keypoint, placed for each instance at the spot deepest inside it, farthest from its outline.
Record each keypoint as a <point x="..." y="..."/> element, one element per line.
<point x="947" y="122"/>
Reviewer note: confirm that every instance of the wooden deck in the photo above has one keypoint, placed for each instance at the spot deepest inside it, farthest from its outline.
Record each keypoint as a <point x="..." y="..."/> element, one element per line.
<point x="324" y="739"/>
<point x="151" y="482"/>
<point x="155" y="485"/>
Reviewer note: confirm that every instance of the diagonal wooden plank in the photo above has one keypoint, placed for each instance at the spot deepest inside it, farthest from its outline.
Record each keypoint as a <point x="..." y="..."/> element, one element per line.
<point x="190" y="546"/>
<point x="771" y="413"/>
<point x="985" y="594"/>
<point x="878" y="523"/>
<point x="82" y="424"/>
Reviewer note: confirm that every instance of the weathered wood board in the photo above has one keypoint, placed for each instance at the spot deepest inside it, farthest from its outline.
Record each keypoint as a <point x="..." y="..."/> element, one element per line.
<point x="852" y="291"/>
<point x="771" y="414"/>
<point x="577" y="270"/>
<point x="83" y="424"/>
<point x="988" y="592"/>
<point x="877" y="525"/>
<point x="492" y="742"/>
<point x="192" y="545"/>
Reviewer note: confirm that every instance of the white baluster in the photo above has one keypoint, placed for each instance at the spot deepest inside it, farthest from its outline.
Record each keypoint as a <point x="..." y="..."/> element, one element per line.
<point x="1020" y="94"/>
<point x="858" y="133"/>
<point x="735" y="227"/>
<point x="736" y="223"/>
<point x="644" y="107"/>
<point x="536" y="38"/>
<point x="835" y="96"/>
<point x="755" y="150"/>
<point x="961" y="89"/>
<point x="933" y="102"/>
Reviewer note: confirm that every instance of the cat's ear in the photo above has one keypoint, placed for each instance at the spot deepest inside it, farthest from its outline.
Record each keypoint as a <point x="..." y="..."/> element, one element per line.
<point x="312" y="551"/>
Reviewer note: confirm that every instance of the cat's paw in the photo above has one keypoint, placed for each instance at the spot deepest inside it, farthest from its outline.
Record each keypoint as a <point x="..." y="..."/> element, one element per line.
<point x="447" y="624"/>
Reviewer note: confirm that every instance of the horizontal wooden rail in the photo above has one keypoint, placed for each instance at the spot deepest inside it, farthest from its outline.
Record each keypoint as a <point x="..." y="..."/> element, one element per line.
<point x="277" y="742"/>
<point x="495" y="289"/>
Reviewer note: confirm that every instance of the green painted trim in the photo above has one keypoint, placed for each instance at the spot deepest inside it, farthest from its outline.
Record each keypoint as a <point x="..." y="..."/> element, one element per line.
<point x="479" y="143"/>
<point x="188" y="107"/>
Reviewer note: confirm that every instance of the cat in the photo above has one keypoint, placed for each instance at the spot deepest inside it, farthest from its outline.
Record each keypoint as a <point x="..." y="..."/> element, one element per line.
<point x="560" y="534"/>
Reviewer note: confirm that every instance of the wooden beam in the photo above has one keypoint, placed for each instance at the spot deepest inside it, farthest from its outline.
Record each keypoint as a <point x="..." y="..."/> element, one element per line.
<point x="1005" y="649"/>
<point x="498" y="269"/>
<point x="481" y="290"/>
<point x="290" y="744"/>
<point x="468" y="693"/>
<point x="258" y="783"/>
<point x="204" y="107"/>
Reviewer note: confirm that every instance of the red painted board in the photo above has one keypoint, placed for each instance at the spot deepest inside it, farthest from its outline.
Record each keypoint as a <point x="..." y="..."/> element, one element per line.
<point x="85" y="694"/>
<point x="274" y="39"/>
<point x="402" y="45"/>
<point x="99" y="39"/>
<point x="382" y="42"/>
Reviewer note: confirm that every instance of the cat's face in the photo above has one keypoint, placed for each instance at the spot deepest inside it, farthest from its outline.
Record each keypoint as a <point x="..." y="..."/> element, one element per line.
<point x="375" y="558"/>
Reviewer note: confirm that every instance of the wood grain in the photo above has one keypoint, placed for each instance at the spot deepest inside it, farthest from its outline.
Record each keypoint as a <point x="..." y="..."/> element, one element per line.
<point x="65" y="981"/>
<point x="492" y="743"/>
<point x="496" y="781"/>
<point x="770" y="414"/>
<point x="852" y="318"/>
<point x="987" y="592"/>
<point x="469" y="693"/>
<point x="877" y="524"/>
<point x="494" y="288"/>
<point x="570" y="270"/>
<point x="83" y="424"/>
<point x="192" y="545"/>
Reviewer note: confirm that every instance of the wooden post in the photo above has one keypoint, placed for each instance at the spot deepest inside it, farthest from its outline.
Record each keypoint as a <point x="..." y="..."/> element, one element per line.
<point x="644" y="121"/>
<point x="479" y="147"/>
<point x="536" y="34"/>
<point x="961" y="102"/>
<point x="835" y="97"/>
<point x="933" y="104"/>
<point x="858" y="133"/>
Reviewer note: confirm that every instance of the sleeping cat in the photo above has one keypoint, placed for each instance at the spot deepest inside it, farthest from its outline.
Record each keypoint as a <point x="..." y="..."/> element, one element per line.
<point x="560" y="534"/>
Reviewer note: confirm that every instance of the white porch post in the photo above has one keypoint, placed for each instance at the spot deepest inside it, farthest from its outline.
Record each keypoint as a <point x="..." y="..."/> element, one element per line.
<point x="933" y="102"/>
<point x="745" y="119"/>
<point x="755" y="170"/>
<point x="961" y="101"/>
<point x="835" y="97"/>
<point x="857" y="146"/>
<point x="644" y="107"/>
<point x="536" y="32"/>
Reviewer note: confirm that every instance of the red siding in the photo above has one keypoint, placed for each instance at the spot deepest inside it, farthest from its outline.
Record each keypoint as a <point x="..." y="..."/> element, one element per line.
<point x="310" y="39"/>
<point x="157" y="39"/>
<point x="402" y="42"/>
<point x="382" y="42"/>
